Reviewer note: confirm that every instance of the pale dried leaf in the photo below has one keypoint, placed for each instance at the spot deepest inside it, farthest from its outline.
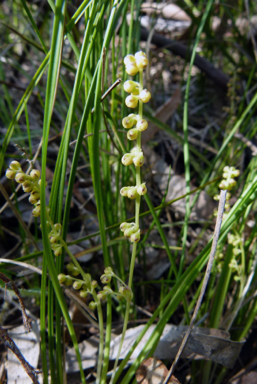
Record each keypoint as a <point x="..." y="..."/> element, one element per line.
<point x="163" y="113"/>
<point x="29" y="346"/>
<point x="203" y="343"/>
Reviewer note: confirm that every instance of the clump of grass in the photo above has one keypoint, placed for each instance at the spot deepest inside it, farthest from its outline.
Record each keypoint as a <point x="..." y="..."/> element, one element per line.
<point x="69" y="97"/>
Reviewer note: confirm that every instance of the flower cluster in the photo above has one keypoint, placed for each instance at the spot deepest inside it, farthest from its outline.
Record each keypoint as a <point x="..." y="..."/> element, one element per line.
<point x="135" y="125"/>
<point x="136" y="63"/>
<point x="131" y="231"/>
<point x="55" y="238"/>
<point x="86" y="286"/>
<point x="30" y="184"/>
<point x="228" y="182"/>
<point x="133" y="192"/>
<point x="131" y="120"/>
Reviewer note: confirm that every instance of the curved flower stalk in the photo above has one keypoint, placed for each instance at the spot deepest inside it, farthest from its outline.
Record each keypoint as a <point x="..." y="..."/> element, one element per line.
<point x="135" y="125"/>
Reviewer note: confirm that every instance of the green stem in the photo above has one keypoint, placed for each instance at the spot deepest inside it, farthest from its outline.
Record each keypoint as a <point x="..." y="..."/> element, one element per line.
<point x="107" y="340"/>
<point x="134" y="249"/>
<point x="101" y="337"/>
<point x="126" y="318"/>
<point x="99" y="311"/>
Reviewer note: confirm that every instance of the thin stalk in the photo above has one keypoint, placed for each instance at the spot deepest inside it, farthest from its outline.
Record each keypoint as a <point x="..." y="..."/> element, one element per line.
<point x="134" y="249"/>
<point x="107" y="340"/>
<point x="99" y="311"/>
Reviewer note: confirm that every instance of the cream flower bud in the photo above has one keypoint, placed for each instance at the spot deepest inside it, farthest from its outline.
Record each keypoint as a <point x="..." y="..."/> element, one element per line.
<point x="131" y="69"/>
<point x="131" y="101"/>
<point x="124" y="191"/>
<point x="92" y="305"/>
<point x="77" y="284"/>
<point x="132" y="134"/>
<point x="129" y="59"/>
<point x="135" y="237"/>
<point x="33" y="199"/>
<point x="36" y="211"/>
<point x="130" y="85"/>
<point x="27" y="186"/>
<point x="15" y="165"/>
<point x="141" y="190"/>
<point x="235" y="173"/>
<point x="145" y="96"/>
<point x="129" y="121"/>
<point x="61" y="278"/>
<point x="20" y="177"/>
<point x="132" y="229"/>
<point x="58" y="227"/>
<point x="58" y="252"/>
<point x="127" y="159"/>
<point x="10" y="174"/>
<point x="124" y="226"/>
<point x="141" y="60"/>
<point x="132" y="193"/>
<point x="142" y="125"/>
<point x="35" y="174"/>
<point x="83" y="294"/>
<point x="138" y="160"/>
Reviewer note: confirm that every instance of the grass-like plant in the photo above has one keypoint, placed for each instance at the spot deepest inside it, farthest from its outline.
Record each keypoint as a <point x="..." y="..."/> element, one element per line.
<point x="74" y="57"/>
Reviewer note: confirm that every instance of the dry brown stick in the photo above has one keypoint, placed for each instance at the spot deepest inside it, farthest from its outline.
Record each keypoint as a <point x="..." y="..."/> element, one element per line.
<point x="25" y="318"/>
<point x="10" y="344"/>
<point x="183" y="51"/>
<point x="216" y="234"/>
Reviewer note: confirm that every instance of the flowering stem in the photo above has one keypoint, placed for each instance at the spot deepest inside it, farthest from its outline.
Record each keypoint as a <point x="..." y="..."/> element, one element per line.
<point x="99" y="311"/>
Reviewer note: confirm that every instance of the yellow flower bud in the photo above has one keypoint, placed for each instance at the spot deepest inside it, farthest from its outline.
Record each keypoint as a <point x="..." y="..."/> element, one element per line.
<point x="130" y="85"/>
<point x="131" y="101"/>
<point x="20" y="177"/>
<point x="77" y="284"/>
<point x="145" y="96"/>
<point x="141" y="190"/>
<point x="61" y="278"/>
<point x="83" y="294"/>
<point x="132" y="193"/>
<point x="138" y="160"/>
<point x="10" y="174"/>
<point x="58" y="252"/>
<point x="124" y="191"/>
<point x="35" y="174"/>
<point x="34" y="199"/>
<point x="132" y="229"/>
<point x="131" y="69"/>
<point x="129" y="121"/>
<point x="15" y="166"/>
<point x="127" y="159"/>
<point x="142" y="125"/>
<point x="141" y="60"/>
<point x="27" y="186"/>
<point x="123" y="226"/>
<point x="92" y="305"/>
<point x="129" y="59"/>
<point x="132" y="134"/>
<point x="36" y="211"/>
<point x="135" y="237"/>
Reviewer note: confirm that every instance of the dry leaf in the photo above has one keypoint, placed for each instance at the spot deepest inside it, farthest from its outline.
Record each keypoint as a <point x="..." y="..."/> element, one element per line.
<point x="29" y="346"/>
<point x="153" y="371"/>
<point x="203" y="343"/>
